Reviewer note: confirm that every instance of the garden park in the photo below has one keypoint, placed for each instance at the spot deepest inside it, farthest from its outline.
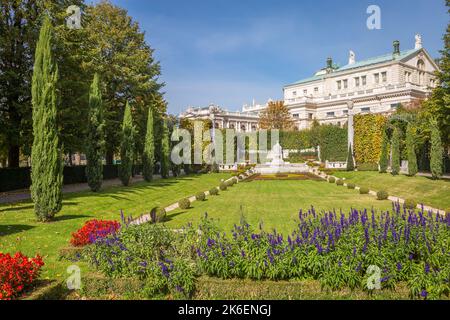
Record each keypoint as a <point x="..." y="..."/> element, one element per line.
<point x="376" y="229"/>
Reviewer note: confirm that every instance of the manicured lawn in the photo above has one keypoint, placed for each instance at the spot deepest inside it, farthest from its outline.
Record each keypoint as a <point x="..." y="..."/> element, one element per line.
<point x="19" y="230"/>
<point x="434" y="193"/>
<point x="275" y="203"/>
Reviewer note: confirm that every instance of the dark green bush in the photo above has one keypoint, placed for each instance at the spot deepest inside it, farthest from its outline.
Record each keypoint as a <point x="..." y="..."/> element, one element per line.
<point x="351" y="186"/>
<point x="331" y="180"/>
<point x="382" y="195"/>
<point x="223" y="186"/>
<point x="364" y="190"/>
<point x="200" y="196"/>
<point x="340" y="182"/>
<point x="214" y="192"/>
<point x="368" y="167"/>
<point x="158" y="215"/>
<point x="410" y="204"/>
<point x="184" y="204"/>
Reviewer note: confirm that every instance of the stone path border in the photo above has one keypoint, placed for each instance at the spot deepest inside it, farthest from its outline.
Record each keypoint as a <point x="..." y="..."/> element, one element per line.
<point x="374" y="193"/>
<point x="146" y="217"/>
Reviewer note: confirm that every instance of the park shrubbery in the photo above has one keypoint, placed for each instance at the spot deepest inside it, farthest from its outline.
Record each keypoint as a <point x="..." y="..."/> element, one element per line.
<point x="214" y="192"/>
<point x="368" y="167"/>
<point x="368" y="138"/>
<point x="340" y="182"/>
<point x="331" y="180"/>
<point x="200" y="196"/>
<point x="364" y="190"/>
<point x="410" y="204"/>
<point x="382" y="195"/>
<point x="184" y="204"/>
<point x="351" y="186"/>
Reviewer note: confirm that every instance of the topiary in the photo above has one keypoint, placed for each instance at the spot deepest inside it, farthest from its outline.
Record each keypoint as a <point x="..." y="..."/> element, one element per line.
<point x="200" y="196"/>
<point x="214" y="192"/>
<point x="331" y="179"/>
<point x="158" y="215"/>
<point x="410" y="204"/>
<point x="223" y="186"/>
<point x="340" y="182"/>
<point x="364" y="190"/>
<point x="382" y="195"/>
<point x="351" y="186"/>
<point x="184" y="204"/>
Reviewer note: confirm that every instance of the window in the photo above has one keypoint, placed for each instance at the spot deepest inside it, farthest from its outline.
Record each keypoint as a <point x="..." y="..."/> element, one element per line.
<point x="357" y="82"/>
<point x="407" y="76"/>
<point x="339" y="85"/>
<point x="420" y="64"/>
<point x="384" y="76"/>
<point x="345" y="111"/>
<point x="296" y="115"/>
<point x="294" y="93"/>
<point x="364" y="80"/>
<point x="395" y="106"/>
<point x="367" y="109"/>
<point x="345" y="84"/>
<point x="305" y="92"/>
<point x="377" y="77"/>
<point x="310" y="116"/>
<point x="330" y="114"/>
<point x="316" y="90"/>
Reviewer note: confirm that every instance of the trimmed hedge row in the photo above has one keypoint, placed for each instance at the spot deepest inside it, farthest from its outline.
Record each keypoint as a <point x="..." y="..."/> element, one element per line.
<point x="19" y="178"/>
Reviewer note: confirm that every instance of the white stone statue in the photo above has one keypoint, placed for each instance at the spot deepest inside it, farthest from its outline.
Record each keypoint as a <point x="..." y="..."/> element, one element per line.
<point x="352" y="58"/>
<point x="277" y="155"/>
<point x="418" y="42"/>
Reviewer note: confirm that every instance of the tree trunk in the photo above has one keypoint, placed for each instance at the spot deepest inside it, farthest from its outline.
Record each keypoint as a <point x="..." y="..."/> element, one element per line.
<point x="14" y="157"/>
<point x="109" y="157"/>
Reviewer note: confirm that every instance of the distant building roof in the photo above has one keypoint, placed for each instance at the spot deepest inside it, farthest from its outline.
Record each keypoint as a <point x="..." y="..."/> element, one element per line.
<point x="363" y="63"/>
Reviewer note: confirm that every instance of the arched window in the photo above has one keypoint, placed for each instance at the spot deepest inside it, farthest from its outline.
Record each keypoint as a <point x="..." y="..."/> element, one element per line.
<point x="420" y="64"/>
<point x="243" y="128"/>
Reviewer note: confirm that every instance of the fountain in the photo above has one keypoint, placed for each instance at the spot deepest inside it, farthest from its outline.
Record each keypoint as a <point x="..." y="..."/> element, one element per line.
<point x="278" y="165"/>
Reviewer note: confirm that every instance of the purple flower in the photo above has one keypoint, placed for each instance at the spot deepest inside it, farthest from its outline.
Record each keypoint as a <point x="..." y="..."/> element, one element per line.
<point x="399" y="266"/>
<point x="242" y="253"/>
<point x="427" y="268"/>
<point x="211" y="242"/>
<point x="424" y="293"/>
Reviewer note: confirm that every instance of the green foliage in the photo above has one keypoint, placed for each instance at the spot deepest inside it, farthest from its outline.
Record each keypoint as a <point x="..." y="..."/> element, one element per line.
<point x="95" y="138"/>
<point x="158" y="215"/>
<point x="333" y="142"/>
<point x="127" y="148"/>
<point x="351" y="186"/>
<point x="165" y="151"/>
<point x="368" y="130"/>
<point x="384" y="155"/>
<point x="411" y="150"/>
<point x="437" y="151"/>
<point x="340" y="182"/>
<point x="396" y="151"/>
<point x="223" y="186"/>
<point x="331" y="180"/>
<point x="214" y="192"/>
<point x="367" y="167"/>
<point x="200" y="196"/>
<point x="350" y="163"/>
<point x="364" y="190"/>
<point x="47" y="165"/>
<point x="382" y="195"/>
<point x="148" y="157"/>
<point x="410" y="204"/>
<point x="184" y="204"/>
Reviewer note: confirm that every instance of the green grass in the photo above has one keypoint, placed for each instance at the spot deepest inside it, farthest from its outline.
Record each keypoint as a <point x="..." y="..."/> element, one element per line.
<point x="275" y="203"/>
<point x="434" y="193"/>
<point x="19" y="230"/>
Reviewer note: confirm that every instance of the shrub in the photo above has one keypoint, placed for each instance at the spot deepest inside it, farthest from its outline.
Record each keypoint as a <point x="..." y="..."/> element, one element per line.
<point x="340" y="182"/>
<point x="93" y="230"/>
<point x="158" y="215"/>
<point x="214" y="192"/>
<point x="368" y="167"/>
<point x="410" y="204"/>
<point x="184" y="204"/>
<point x="331" y="180"/>
<point x="200" y="196"/>
<point x="364" y="190"/>
<point x="382" y="195"/>
<point x="17" y="273"/>
<point x="223" y="186"/>
<point x="351" y="186"/>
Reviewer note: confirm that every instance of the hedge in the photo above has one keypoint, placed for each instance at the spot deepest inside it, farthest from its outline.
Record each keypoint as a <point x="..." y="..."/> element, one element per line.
<point x="19" y="178"/>
<point x="368" y="135"/>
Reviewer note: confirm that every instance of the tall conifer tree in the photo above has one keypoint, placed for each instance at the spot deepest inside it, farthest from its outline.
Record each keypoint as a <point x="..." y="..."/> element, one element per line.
<point x="46" y="155"/>
<point x="127" y="147"/>
<point x="148" y="158"/>
<point x="396" y="152"/>
<point x="436" y="151"/>
<point x="411" y="151"/>
<point x="165" y="152"/>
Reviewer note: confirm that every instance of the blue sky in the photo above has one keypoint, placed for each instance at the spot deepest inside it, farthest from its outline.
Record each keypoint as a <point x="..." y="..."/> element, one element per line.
<point x="228" y="52"/>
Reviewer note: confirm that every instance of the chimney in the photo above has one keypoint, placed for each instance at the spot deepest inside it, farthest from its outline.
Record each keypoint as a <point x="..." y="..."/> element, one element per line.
<point x="396" y="48"/>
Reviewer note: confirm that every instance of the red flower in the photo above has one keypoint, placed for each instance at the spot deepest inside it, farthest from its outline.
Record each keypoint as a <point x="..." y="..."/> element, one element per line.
<point x="92" y="230"/>
<point x="17" y="273"/>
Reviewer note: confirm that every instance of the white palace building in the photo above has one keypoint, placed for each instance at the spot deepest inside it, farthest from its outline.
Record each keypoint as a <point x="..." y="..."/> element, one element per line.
<point x="374" y="85"/>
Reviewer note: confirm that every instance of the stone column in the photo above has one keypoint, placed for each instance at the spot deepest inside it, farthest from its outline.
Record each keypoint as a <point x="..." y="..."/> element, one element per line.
<point x="351" y="132"/>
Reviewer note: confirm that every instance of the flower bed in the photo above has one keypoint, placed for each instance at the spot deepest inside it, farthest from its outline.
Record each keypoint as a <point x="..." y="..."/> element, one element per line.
<point x="92" y="230"/>
<point x="17" y="273"/>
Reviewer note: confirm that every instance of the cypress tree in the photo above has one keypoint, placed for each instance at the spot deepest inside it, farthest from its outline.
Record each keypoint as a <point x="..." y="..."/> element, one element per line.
<point x="396" y="151"/>
<point x="411" y="151"/>
<point x="436" y="151"/>
<point x="350" y="163"/>
<point x="46" y="156"/>
<point x="148" y="158"/>
<point x="384" y="156"/>
<point x="95" y="137"/>
<point x="126" y="147"/>
<point x="165" y="151"/>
